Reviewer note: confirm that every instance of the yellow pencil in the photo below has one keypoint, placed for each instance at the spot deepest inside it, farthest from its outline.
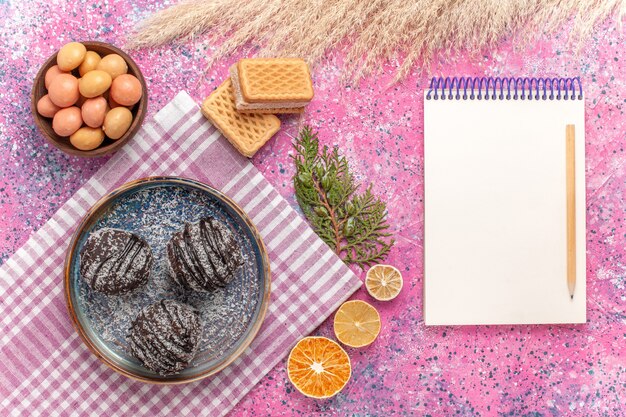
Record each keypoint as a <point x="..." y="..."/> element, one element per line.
<point x="570" y="184"/>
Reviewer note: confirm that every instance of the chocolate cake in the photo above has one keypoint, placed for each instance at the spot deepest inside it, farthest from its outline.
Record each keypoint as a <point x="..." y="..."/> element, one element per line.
<point x="115" y="261"/>
<point x="165" y="336"/>
<point x="204" y="256"/>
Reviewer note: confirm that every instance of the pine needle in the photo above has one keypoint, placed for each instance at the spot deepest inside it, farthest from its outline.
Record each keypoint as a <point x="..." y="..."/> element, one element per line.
<point x="353" y="224"/>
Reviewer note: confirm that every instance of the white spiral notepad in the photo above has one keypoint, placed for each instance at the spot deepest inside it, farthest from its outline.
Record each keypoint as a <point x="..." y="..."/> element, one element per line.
<point x="496" y="217"/>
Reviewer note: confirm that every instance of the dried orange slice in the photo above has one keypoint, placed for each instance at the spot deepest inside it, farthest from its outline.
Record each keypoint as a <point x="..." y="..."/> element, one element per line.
<point x="383" y="282"/>
<point x="318" y="367"/>
<point x="357" y="323"/>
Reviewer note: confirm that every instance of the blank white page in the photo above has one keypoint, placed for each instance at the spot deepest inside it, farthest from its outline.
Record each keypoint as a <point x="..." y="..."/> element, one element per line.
<point x="495" y="212"/>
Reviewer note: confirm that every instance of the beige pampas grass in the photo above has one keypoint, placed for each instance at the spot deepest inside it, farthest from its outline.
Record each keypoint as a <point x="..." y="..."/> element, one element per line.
<point x="370" y="32"/>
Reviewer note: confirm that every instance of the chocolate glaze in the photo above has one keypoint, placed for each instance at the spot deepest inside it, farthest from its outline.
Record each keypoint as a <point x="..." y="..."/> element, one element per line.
<point x="165" y="336"/>
<point x="115" y="261"/>
<point x="204" y="255"/>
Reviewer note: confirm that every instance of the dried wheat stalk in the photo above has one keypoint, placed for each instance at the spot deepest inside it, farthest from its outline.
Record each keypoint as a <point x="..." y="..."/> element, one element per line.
<point x="370" y="32"/>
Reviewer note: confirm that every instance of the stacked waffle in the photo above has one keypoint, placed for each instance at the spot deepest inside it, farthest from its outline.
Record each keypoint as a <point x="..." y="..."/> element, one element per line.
<point x="243" y="107"/>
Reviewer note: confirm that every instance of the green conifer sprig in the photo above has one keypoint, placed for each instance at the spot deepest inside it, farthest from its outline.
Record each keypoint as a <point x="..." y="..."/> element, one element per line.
<point x="353" y="224"/>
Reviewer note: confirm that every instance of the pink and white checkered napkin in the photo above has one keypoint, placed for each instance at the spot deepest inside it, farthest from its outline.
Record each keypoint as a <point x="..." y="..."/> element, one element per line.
<point x="46" y="369"/>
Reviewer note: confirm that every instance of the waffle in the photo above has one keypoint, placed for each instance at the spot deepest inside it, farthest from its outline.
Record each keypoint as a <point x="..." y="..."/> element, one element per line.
<point x="246" y="132"/>
<point x="294" y="110"/>
<point x="277" y="85"/>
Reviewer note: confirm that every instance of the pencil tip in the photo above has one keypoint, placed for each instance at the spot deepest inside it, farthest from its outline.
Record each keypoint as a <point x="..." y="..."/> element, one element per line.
<point x="572" y="296"/>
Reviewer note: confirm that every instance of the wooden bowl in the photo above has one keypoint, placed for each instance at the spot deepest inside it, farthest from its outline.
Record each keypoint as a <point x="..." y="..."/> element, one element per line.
<point x="108" y="146"/>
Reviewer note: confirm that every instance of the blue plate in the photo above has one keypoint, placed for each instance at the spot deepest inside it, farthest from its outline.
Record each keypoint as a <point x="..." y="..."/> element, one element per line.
<point x="155" y="208"/>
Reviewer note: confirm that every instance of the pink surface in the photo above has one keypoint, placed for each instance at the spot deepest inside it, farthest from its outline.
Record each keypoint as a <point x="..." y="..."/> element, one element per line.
<point x="410" y="369"/>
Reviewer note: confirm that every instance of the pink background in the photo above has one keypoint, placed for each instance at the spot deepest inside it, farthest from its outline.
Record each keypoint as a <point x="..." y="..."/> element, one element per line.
<point x="410" y="369"/>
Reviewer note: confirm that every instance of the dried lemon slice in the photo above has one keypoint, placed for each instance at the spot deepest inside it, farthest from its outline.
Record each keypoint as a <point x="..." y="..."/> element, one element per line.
<point x="383" y="282"/>
<point x="357" y="323"/>
<point x="318" y="367"/>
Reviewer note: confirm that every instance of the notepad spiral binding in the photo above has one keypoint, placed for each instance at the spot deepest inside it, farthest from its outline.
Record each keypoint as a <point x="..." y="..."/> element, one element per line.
<point x="503" y="88"/>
